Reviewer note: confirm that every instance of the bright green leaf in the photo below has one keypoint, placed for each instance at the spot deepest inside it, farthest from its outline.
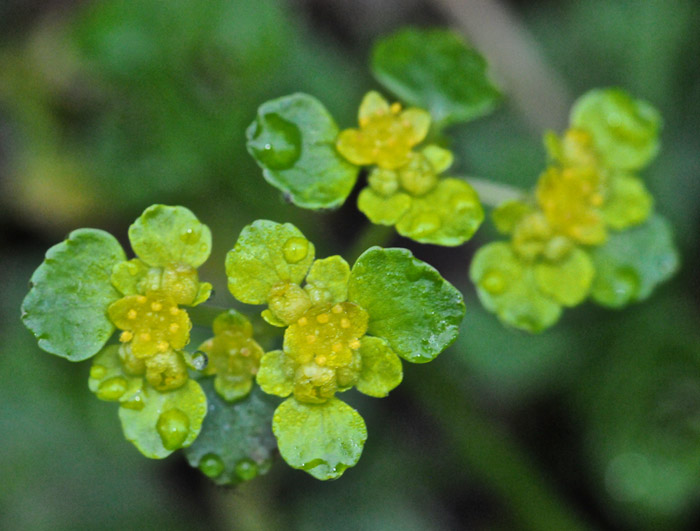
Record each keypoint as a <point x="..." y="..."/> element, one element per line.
<point x="381" y="368"/>
<point x="276" y="374"/>
<point x="633" y="262"/>
<point x="568" y="280"/>
<point x="168" y="420"/>
<point x="66" y="307"/>
<point x="383" y="210"/>
<point x="625" y="131"/>
<point x="236" y="441"/>
<point x="165" y="235"/>
<point x="409" y="304"/>
<point x="447" y="215"/>
<point x="293" y="141"/>
<point x="327" y="281"/>
<point x="322" y="439"/>
<point x="628" y="202"/>
<point x="507" y="286"/>
<point x="436" y="70"/>
<point x="126" y="276"/>
<point x="266" y="254"/>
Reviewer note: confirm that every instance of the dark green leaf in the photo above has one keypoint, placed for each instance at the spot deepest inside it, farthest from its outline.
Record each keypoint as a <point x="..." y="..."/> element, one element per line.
<point x="436" y="70"/>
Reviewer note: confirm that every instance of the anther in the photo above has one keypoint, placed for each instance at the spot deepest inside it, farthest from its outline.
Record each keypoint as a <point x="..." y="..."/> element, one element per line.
<point x="337" y="309"/>
<point x="337" y="347"/>
<point x="322" y="318"/>
<point x="126" y="336"/>
<point x="310" y="339"/>
<point x="156" y="306"/>
<point x="303" y="321"/>
<point x="354" y="344"/>
<point x="174" y="327"/>
<point x="345" y="322"/>
<point x="131" y="314"/>
<point x="173" y="310"/>
<point x="163" y="346"/>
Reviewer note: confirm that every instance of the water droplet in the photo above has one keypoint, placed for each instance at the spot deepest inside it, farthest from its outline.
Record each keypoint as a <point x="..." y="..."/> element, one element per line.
<point x="494" y="282"/>
<point x="211" y="465"/>
<point x="295" y="249"/>
<point x="112" y="388"/>
<point x="200" y="360"/>
<point x="625" y="283"/>
<point x="135" y="402"/>
<point x="246" y="469"/>
<point x="191" y="235"/>
<point x="276" y="142"/>
<point x="173" y="427"/>
<point x="97" y="372"/>
<point x="425" y="223"/>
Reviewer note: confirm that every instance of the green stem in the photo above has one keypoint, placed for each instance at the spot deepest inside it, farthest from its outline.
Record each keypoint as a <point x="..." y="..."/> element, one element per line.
<point x="494" y="457"/>
<point x="371" y="235"/>
<point x="492" y="193"/>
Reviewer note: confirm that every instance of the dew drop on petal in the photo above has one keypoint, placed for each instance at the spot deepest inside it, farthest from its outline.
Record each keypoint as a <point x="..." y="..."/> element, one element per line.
<point x="276" y="142"/>
<point x="211" y="465"/>
<point x="200" y="360"/>
<point x="295" y="250"/>
<point x="191" y="235"/>
<point x="173" y="426"/>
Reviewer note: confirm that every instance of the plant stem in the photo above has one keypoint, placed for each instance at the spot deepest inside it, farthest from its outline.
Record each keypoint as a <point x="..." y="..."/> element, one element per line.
<point x="492" y="193"/>
<point x="371" y="235"/>
<point x="493" y="456"/>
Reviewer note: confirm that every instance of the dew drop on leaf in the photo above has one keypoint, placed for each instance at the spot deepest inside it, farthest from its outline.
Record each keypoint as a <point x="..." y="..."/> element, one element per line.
<point x="200" y="360"/>
<point x="211" y="465"/>
<point x="625" y="283"/>
<point x="173" y="426"/>
<point x="276" y="142"/>
<point x="191" y="235"/>
<point x="112" y="388"/>
<point x="246" y="469"/>
<point x="295" y="249"/>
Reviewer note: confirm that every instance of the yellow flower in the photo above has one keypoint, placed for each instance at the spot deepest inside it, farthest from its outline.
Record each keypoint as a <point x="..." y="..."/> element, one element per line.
<point x="386" y="134"/>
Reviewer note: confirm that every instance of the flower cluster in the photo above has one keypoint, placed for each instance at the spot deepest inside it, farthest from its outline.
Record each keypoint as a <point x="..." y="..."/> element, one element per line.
<point x="344" y="328"/>
<point x="588" y="192"/>
<point x="405" y="188"/>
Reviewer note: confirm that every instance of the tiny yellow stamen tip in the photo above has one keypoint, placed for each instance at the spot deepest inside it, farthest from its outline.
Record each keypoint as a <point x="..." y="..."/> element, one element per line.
<point x="126" y="336"/>
<point x="131" y="314"/>
<point x="140" y="299"/>
<point x="174" y="310"/>
<point x="245" y="352"/>
<point x="396" y="107"/>
<point x="337" y="347"/>
<point x="156" y="306"/>
<point x="310" y="339"/>
<point x="345" y="323"/>
<point x="355" y="344"/>
<point x="320" y="360"/>
<point x="163" y="346"/>
<point x="323" y="318"/>
<point x="337" y="309"/>
<point x="145" y="336"/>
<point x="174" y="327"/>
<point x="303" y="321"/>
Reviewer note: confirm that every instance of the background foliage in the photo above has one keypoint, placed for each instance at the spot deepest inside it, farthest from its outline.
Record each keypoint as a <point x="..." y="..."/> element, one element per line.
<point x="107" y="107"/>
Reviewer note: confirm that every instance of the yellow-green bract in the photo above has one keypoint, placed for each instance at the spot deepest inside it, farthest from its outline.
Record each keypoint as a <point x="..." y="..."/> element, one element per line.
<point x="345" y="327"/>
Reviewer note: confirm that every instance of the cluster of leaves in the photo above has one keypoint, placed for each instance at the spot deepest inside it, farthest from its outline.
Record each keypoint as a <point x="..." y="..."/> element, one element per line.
<point x="589" y="228"/>
<point x="344" y="328"/>
<point x="302" y="152"/>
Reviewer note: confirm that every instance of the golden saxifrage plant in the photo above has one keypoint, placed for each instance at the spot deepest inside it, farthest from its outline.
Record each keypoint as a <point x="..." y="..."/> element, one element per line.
<point x="588" y="229"/>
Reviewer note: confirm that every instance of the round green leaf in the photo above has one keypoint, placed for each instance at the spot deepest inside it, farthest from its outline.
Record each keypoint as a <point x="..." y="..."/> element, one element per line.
<point x="321" y="439"/>
<point x="293" y="141"/>
<point x="409" y="304"/>
<point x="267" y="253"/>
<point x="383" y="210"/>
<point x="236" y="441"/>
<point x="66" y="307"/>
<point x="167" y="421"/>
<point x="447" y="215"/>
<point x="436" y="70"/>
<point x="633" y="262"/>
<point x="327" y="281"/>
<point x="567" y="281"/>
<point x="165" y="235"/>
<point x="507" y="286"/>
<point x="276" y="374"/>
<point x="625" y="131"/>
<point x="628" y="202"/>
<point x="381" y="367"/>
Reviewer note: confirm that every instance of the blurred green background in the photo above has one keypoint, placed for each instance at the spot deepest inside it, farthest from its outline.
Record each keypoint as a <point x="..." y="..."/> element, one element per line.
<point x="107" y="107"/>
